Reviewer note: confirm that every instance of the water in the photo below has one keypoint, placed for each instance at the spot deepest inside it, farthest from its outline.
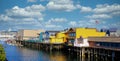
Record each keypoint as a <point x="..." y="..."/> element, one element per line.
<point x="15" y="53"/>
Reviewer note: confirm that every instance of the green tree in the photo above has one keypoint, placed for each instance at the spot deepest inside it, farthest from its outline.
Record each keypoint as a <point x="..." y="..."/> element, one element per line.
<point x="2" y="53"/>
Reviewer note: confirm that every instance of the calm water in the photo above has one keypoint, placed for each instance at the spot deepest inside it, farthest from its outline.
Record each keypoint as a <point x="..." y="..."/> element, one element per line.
<point x="14" y="53"/>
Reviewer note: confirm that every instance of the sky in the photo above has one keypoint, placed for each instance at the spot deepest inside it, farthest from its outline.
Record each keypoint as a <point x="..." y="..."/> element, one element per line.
<point x="59" y="14"/>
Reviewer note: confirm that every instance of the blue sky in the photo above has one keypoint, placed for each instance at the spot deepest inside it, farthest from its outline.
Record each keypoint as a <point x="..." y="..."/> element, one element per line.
<point x="59" y="14"/>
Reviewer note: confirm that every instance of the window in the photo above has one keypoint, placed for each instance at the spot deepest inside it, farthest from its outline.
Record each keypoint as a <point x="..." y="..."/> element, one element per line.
<point x="71" y="41"/>
<point x="72" y="34"/>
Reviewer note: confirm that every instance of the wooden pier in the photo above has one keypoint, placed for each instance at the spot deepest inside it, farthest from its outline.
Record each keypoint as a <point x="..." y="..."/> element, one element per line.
<point x="91" y="53"/>
<point x="39" y="45"/>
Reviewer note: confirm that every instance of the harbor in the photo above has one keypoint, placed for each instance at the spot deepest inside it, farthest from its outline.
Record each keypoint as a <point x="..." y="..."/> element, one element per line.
<point x="59" y="30"/>
<point x="15" y="53"/>
<point x="95" y="46"/>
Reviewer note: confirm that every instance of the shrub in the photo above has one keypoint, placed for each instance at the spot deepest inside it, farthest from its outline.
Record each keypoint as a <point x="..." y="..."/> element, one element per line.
<point x="2" y="53"/>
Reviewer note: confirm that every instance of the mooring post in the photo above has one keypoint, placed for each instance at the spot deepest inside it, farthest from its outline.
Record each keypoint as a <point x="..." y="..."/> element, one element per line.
<point x="89" y="53"/>
<point x="80" y="52"/>
<point x="113" y="55"/>
<point x="83" y="52"/>
<point x="51" y="47"/>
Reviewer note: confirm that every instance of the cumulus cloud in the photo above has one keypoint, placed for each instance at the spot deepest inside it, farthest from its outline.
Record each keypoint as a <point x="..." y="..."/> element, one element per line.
<point x="17" y="16"/>
<point x="102" y="11"/>
<point x="33" y="11"/>
<point x="28" y="13"/>
<point x="5" y="18"/>
<point x="105" y="8"/>
<point x="64" y="5"/>
<point x="115" y="13"/>
<point x="52" y="26"/>
<point x="91" y="22"/>
<point x="55" y="22"/>
<point x="73" y="23"/>
<point x="99" y="16"/>
<point x="84" y="8"/>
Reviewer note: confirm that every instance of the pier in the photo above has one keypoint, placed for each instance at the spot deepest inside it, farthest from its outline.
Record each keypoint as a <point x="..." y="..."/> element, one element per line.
<point x="39" y="45"/>
<point x="104" y="54"/>
<point x="79" y="42"/>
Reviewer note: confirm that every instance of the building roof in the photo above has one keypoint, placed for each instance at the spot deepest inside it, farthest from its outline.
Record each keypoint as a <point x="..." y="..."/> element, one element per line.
<point x="104" y="39"/>
<point x="52" y="31"/>
<point x="110" y="29"/>
<point x="113" y="29"/>
<point x="71" y="30"/>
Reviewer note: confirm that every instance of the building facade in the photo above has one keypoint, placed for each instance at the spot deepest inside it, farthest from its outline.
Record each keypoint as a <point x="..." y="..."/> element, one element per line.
<point x="75" y="34"/>
<point x="8" y="35"/>
<point x="60" y="37"/>
<point x="28" y="34"/>
<point x="45" y="36"/>
<point x="105" y="42"/>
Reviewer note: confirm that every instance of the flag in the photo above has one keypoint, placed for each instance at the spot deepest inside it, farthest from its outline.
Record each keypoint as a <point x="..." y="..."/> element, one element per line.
<point x="97" y="22"/>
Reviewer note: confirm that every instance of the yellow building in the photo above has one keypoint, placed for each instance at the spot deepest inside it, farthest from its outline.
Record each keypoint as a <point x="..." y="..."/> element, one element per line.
<point x="28" y="34"/>
<point x="60" y="37"/>
<point x="88" y="32"/>
<point x="82" y="33"/>
<point x="74" y="33"/>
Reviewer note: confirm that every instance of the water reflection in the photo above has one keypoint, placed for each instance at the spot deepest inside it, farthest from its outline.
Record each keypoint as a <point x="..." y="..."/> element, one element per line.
<point x="15" y="53"/>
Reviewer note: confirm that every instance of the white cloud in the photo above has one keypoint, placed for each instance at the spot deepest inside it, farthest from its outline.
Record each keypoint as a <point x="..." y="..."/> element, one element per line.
<point x="97" y="21"/>
<point x="115" y="13"/>
<point x="35" y="8"/>
<point x="5" y="18"/>
<point x="55" y="22"/>
<point x="33" y="11"/>
<point x="105" y="8"/>
<point x="94" y="23"/>
<point x="17" y="16"/>
<point x="52" y="26"/>
<point x="64" y="5"/>
<point x="102" y="11"/>
<point x="84" y="9"/>
<point x="58" y="20"/>
<point x="99" y="16"/>
<point x="73" y="23"/>
<point x="31" y="0"/>
<point x="86" y="23"/>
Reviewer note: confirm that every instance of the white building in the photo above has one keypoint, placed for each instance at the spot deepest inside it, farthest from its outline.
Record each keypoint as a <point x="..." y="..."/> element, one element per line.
<point x="118" y="33"/>
<point x="8" y="35"/>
